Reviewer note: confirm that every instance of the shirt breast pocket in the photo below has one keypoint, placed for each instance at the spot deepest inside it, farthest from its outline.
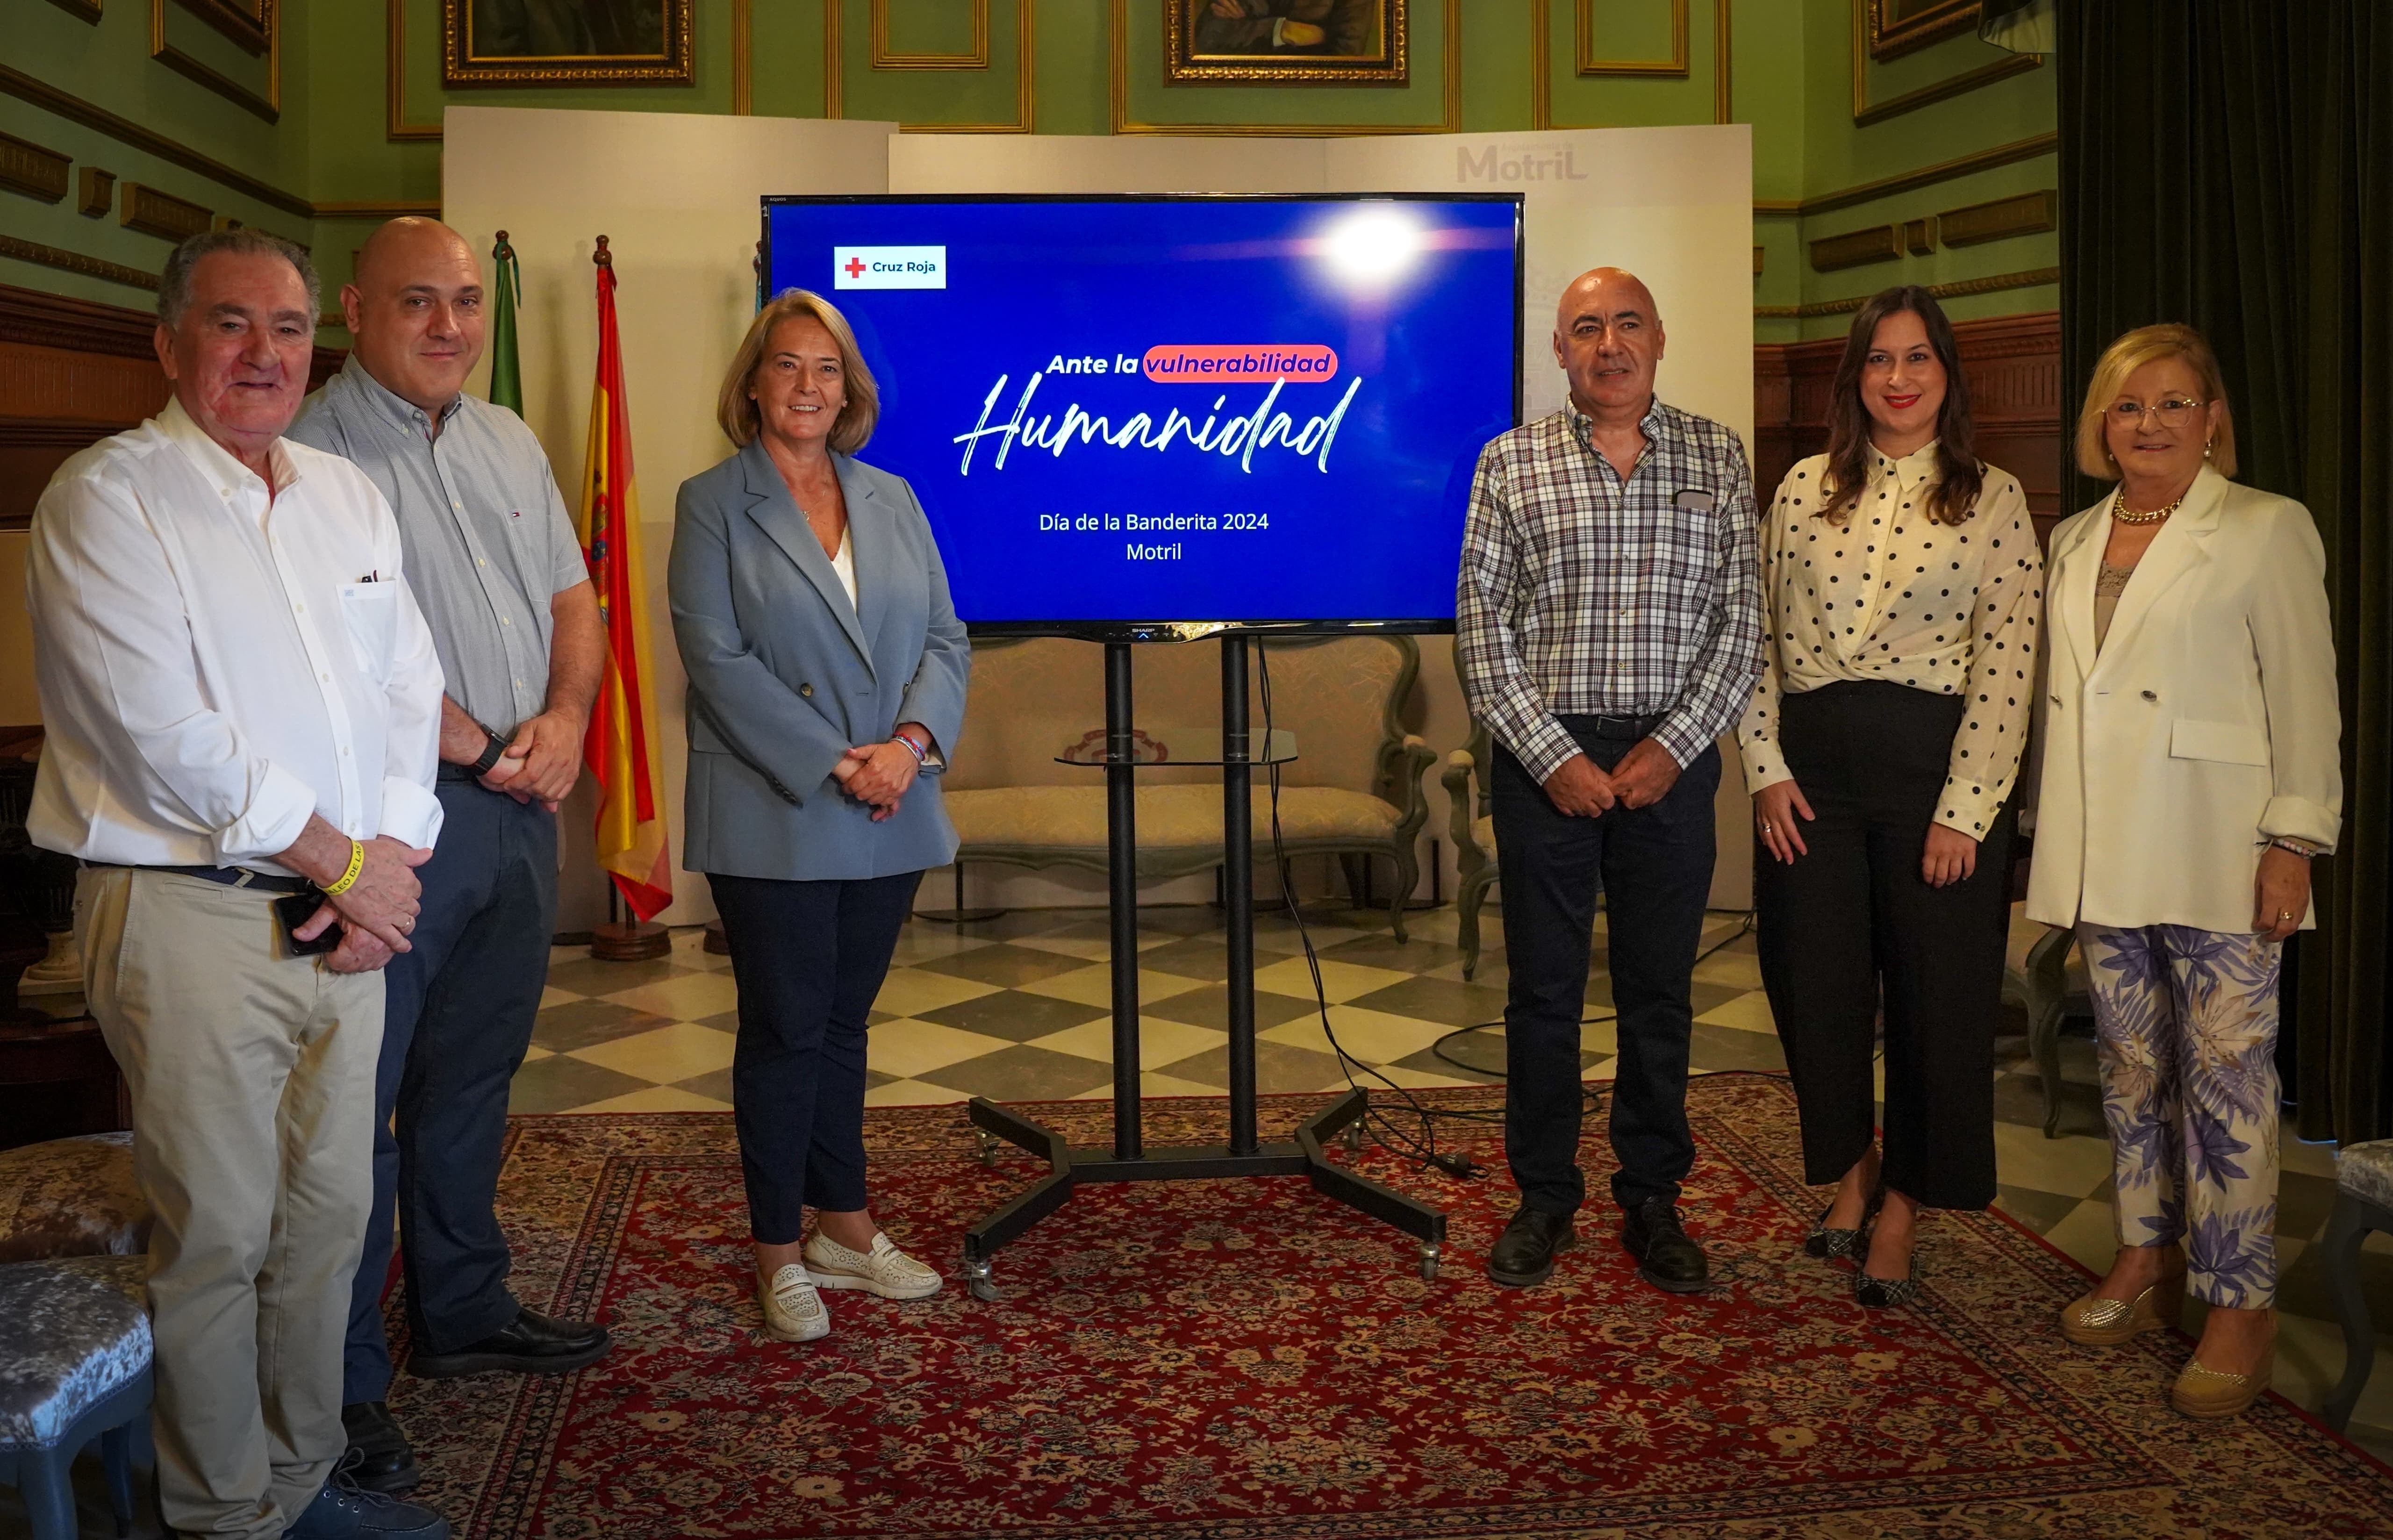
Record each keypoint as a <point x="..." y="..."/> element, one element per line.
<point x="370" y="614"/>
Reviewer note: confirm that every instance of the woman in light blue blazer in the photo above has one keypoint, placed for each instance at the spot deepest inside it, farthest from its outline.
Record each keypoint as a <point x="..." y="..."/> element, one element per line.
<point x="827" y="673"/>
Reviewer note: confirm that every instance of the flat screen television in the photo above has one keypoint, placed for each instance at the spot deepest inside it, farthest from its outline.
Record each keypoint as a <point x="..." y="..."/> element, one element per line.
<point x="1143" y="417"/>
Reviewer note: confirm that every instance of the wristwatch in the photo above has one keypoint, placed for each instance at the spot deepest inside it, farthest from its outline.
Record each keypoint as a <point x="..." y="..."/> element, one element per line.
<point x="491" y="752"/>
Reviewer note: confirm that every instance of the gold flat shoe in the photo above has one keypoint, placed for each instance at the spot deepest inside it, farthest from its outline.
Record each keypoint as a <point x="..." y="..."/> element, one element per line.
<point x="2210" y="1394"/>
<point x="2107" y="1323"/>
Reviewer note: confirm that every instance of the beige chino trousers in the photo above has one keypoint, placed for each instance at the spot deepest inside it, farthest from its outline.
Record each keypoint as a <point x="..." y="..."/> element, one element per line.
<point x="251" y="1074"/>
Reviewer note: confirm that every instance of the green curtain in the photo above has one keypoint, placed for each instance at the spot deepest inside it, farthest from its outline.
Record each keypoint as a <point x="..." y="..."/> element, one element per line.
<point x="2228" y="164"/>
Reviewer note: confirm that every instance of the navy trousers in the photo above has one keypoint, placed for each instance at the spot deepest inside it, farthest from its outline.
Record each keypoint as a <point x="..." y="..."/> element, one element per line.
<point x="809" y="958"/>
<point x="458" y="1015"/>
<point x="1654" y="867"/>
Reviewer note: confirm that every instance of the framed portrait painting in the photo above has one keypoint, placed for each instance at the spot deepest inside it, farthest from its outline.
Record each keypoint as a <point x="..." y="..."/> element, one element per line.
<point x="1897" y="27"/>
<point x="1284" y="42"/>
<point x="566" y="43"/>
<point x="247" y="22"/>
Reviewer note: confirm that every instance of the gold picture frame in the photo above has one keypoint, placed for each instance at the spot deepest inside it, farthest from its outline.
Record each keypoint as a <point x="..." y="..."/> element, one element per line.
<point x="567" y="43"/>
<point x="1898" y="27"/>
<point x="248" y="23"/>
<point x="266" y="104"/>
<point x="1287" y="41"/>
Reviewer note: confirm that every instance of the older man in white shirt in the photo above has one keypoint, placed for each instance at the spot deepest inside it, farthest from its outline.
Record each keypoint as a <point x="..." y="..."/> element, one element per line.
<point x="242" y="706"/>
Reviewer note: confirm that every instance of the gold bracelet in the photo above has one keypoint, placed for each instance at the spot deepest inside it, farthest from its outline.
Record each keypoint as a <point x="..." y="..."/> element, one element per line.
<point x="350" y="877"/>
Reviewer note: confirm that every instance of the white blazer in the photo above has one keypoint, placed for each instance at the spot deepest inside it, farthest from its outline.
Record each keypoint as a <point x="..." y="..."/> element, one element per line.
<point x="2206" y="726"/>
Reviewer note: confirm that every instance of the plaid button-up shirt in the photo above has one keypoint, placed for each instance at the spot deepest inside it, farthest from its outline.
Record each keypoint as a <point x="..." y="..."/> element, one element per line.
<point x="1583" y="594"/>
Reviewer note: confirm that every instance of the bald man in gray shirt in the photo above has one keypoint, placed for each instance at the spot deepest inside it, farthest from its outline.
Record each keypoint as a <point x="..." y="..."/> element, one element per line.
<point x="495" y="566"/>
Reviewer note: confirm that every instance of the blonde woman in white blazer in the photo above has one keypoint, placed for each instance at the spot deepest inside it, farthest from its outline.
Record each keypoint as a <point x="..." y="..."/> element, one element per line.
<point x="2189" y="728"/>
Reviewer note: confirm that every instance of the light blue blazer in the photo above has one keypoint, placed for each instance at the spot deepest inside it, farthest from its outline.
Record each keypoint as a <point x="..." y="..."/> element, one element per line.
<point x="785" y="675"/>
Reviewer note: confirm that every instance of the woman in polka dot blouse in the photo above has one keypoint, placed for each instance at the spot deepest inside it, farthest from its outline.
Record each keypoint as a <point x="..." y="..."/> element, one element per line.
<point x="1902" y="586"/>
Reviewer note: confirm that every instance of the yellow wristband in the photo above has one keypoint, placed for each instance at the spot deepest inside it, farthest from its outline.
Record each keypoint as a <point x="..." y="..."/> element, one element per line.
<point x="350" y="877"/>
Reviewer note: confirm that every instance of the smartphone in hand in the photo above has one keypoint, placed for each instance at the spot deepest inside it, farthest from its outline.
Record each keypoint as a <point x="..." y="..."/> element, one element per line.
<point x="297" y="910"/>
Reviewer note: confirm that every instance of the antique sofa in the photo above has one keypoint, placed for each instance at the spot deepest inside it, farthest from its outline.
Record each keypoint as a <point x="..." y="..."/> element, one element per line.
<point x="1355" y="791"/>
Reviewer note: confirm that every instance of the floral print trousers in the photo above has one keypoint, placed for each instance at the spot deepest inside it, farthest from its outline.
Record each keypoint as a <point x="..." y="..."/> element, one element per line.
<point x="2187" y="1021"/>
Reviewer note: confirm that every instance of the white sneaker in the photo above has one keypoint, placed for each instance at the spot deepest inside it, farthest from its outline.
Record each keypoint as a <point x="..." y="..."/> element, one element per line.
<point x="884" y="1271"/>
<point x="793" y="1311"/>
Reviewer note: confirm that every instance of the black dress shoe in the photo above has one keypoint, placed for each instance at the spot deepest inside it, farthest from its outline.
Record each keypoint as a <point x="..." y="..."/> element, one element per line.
<point x="1666" y="1256"/>
<point x="1524" y="1253"/>
<point x="383" y="1462"/>
<point x="531" y="1344"/>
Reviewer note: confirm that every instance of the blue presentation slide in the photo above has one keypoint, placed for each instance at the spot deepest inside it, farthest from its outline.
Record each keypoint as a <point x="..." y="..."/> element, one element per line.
<point x="1133" y="410"/>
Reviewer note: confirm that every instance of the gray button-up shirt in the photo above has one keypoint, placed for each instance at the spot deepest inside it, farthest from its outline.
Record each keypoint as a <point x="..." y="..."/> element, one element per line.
<point x="487" y="541"/>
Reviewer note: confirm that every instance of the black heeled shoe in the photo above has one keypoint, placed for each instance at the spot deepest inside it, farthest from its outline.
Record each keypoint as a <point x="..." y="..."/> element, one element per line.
<point x="1873" y="1293"/>
<point x="1886" y="1293"/>
<point x="1843" y="1246"/>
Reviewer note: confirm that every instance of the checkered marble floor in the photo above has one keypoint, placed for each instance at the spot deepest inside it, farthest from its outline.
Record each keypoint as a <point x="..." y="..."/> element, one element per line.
<point x="1019" y="1007"/>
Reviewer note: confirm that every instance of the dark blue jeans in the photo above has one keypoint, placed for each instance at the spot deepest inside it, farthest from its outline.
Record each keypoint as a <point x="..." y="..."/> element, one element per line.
<point x="809" y="957"/>
<point x="1655" y="865"/>
<point x="458" y="1014"/>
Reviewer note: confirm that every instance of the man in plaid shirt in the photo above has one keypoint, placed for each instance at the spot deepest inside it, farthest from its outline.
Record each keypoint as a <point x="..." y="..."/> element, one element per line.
<point x="1609" y="630"/>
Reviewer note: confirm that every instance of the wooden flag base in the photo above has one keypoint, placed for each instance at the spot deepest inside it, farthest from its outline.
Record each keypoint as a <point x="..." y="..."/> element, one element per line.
<point x="630" y="941"/>
<point x="715" y="941"/>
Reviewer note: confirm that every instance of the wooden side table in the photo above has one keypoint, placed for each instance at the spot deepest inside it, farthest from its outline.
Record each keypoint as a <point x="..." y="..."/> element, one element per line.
<point x="56" y="1078"/>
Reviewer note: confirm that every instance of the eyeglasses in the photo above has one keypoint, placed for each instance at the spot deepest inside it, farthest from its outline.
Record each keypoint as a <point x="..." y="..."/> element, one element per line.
<point x="2175" y="411"/>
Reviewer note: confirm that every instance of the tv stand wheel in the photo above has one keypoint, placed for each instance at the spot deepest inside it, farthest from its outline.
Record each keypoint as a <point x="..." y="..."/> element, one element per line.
<point x="1428" y="1255"/>
<point x="988" y="1147"/>
<point x="1355" y="1137"/>
<point x="980" y="1279"/>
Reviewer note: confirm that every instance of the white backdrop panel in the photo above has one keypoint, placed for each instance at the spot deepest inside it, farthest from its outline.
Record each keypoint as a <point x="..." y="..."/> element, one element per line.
<point x="677" y="196"/>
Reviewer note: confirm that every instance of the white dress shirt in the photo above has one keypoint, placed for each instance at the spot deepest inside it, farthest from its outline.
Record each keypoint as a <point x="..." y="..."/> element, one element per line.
<point x="215" y="667"/>
<point x="1892" y="595"/>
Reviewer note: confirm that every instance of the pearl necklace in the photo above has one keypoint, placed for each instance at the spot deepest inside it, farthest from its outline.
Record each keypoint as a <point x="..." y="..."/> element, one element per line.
<point x="2123" y="514"/>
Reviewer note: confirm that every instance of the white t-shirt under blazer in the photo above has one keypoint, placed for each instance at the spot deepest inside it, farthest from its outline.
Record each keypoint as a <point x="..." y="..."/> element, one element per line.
<point x="215" y="667"/>
<point x="2203" y="726"/>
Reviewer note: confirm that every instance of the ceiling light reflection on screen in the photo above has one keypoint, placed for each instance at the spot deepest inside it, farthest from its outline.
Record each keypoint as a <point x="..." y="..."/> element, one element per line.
<point x="1373" y="247"/>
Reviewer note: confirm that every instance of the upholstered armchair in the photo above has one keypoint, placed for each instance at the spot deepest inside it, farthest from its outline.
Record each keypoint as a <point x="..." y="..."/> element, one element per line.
<point x="1471" y="825"/>
<point x="2044" y="975"/>
<point x="1355" y="789"/>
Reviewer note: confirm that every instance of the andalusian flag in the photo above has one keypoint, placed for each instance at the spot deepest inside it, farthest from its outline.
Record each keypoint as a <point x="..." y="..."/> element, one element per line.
<point x="622" y="748"/>
<point x="507" y="293"/>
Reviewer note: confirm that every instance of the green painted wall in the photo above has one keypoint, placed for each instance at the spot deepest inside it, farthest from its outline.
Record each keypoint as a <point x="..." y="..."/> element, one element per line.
<point x="1838" y="154"/>
<point x="1791" y="72"/>
<point x="107" y="64"/>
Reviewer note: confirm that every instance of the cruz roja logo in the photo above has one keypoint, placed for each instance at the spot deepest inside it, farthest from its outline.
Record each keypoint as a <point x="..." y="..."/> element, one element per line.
<point x="889" y="267"/>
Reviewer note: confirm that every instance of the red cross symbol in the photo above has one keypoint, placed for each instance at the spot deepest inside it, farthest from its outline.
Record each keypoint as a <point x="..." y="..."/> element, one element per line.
<point x="855" y="267"/>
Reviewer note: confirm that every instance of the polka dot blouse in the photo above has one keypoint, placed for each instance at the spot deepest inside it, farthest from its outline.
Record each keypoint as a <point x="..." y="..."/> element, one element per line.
<point x="1892" y="595"/>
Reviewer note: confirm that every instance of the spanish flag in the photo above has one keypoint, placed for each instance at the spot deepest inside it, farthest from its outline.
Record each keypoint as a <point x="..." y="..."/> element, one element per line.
<point x="621" y="746"/>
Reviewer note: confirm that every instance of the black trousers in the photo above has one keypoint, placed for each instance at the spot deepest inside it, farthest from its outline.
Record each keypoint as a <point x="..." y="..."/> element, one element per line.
<point x="808" y="957"/>
<point x="458" y="1014"/>
<point x="1853" y="924"/>
<point x="1654" y="865"/>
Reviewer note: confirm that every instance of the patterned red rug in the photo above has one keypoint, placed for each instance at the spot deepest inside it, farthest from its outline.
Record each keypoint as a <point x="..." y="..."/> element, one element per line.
<point x="1247" y="1361"/>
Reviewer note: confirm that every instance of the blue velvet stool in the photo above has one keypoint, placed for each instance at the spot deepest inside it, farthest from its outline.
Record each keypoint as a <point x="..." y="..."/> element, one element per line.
<point x="74" y="1366"/>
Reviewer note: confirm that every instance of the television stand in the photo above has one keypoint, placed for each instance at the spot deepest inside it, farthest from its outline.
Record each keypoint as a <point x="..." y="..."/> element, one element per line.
<point x="1244" y="1155"/>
